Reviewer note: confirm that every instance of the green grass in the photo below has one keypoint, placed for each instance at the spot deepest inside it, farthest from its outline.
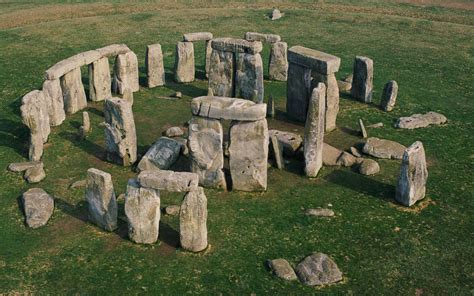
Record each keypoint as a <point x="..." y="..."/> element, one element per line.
<point x="427" y="50"/>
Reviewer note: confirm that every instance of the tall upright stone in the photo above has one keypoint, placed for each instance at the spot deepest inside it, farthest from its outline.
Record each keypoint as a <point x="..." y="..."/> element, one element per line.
<point x="193" y="221"/>
<point x="142" y="208"/>
<point x="411" y="185"/>
<point x="332" y="98"/>
<point x="74" y="95"/>
<point x="184" y="62"/>
<point x="249" y="77"/>
<point x="54" y="100"/>
<point x="205" y="142"/>
<point x="125" y="73"/>
<point x="314" y="131"/>
<point x="101" y="200"/>
<point x="99" y="80"/>
<point x="248" y="155"/>
<point x="362" y="81"/>
<point x="208" y="57"/>
<point x="221" y="73"/>
<point x="298" y="91"/>
<point x="278" y="65"/>
<point x="389" y="96"/>
<point x="155" y="71"/>
<point x="120" y="133"/>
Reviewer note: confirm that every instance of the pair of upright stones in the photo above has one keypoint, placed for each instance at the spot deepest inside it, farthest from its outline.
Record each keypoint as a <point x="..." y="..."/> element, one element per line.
<point x="248" y="148"/>
<point x="184" y="70"/>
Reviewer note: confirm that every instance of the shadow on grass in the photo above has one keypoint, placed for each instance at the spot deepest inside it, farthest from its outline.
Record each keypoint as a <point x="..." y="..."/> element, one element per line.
<point x="14" y="135"/>
<point x="84" y="144"/>
<point x="78" y="211"/>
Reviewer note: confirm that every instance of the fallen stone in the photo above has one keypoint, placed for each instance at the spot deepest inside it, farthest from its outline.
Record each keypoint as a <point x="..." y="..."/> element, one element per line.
<point x="184" y="62"/>
<point x="389" y="96"/>
<point x="35" y="174"/>
<point x="421" y="120"/>
<point x="172" y="210"/>
<point x="197" y="36"/>
<point x="221" y="73"/>
<point x="169" y="180"/>
<point x="314" y="131"/>
<point x="369" y="167"/>
<point x="99" y="80"/>
<point x="346" y="159"/>
<point x="376" y="125"/>
<point x="276" y="14"/>
<point x="113" y="50"/>
<point x="291" y="142"/>
<point x="183" y="143"/>
<point x="355" y="152"/>
<point x="236" y="45"/>
<point x="161" y="155"/>
<point x="54" y="100"/>
<point x="23" y="166"/>
<point x="318" y="269"/>
<point x="101" y="200"/>
<point x="363" y="131"/>
<point x="320" y="212"/>
<point x="362" y="83"/>
<point x="344" y="86"/>
<point x="78" y="184"/>
<point x="298" y="91"/>
<point x="271" y="107"/>
<point x="282" y="269"/>
<point x="74" y="95"/>
<point x="178" y="95"/>
<point x="249" y="77"/>
<point x="318" y="61"/>
<point x="38" y="207"/>
<point x="268" y="38"/>
<point x="277" y="152"/>
<point x="331" y="155"/>
<point x="155" y="71"/>
<point x="125" y="73"/>
<point x="381" y="148"/>
<point x="174" y="131"/>
<point x="71" y="63"/>
<point x="228" y="108"/>
<point x="278" y="65"/>
<point x="349" y="78"/>
<point x="193" y="221"/>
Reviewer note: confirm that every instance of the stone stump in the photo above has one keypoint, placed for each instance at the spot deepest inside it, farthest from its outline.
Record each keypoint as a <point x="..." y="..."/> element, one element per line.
<point x="314" y="131"/>
<point x="278" y="65"/>
<point x="54" y="100"/>
<point x="362" y="81"/>
<point x="99" y="80"/>
<point x="74" y="95"/>
<point x="101" y="200"/>
<point x="221" y="73"/>
<point x="155" y="71"/>
<point x="389" y="96"/>
<point x="298" y="91"/>
<point x="184" y="62"/>
<point x="193" y="221"/>
<point x="125" y="73"/>
<point x="249" y="77"/>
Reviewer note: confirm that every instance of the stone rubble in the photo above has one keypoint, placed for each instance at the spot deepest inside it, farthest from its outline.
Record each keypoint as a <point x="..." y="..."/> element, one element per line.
<point x="318" y="269"/>
<point x="35" y="174"/>
<point x="369" y="167"/>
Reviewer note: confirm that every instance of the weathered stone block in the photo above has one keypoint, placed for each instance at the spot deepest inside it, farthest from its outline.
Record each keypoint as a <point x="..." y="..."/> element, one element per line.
<point x="221" y="73"/>
<point x="71" y="63"/>
<point x="228" y="108"/>
<point x="278" y="65"/>
<point x="155" y="71"/>
<point x="161" y="155"/>
<point x="318" y="269"/>
<point x="237" y="45"/>
<point x="382" y="148"/>
<point x="74" y="95"/>
<point x="193" y="221"/>
<point x="184" y="62"/>
<point x="332" y="98"/>
<point x="113" y="50"/>
<point x="125" y="73"/>
<point x="99" y="80"/>
<point x="268" y="38"/>
<point x="298" y="90"/>
<point x="362" y="81"/>
<point x="314" y="131"/>
<point x="169" y="180"/>
<point x="318" y="61"/>
<point x="101" y="200"/>
<point x="389" y="96"/>
<point x="54" y="100"/>
<point x="421" y="120"/>
<point x="249" y="77"/>
<point x="38" y="207"/>
<point x="197" y="36"/>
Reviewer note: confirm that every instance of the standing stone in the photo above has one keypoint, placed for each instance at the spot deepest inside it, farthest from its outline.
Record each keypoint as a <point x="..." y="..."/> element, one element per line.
<point x="249" y="77"/>
<point x="208" y="57"/>
<point x="271" y="107"/>
<point x="74" y="95"/>
<point x="363" y="131"/>
<point x="38" y="207"/>
<point x="205" y="142"/>
<point x="125" y="73"/>
<point x="120" y="134"/>
<point x="411" y="185"/>
<point x="34" y="114"/>
<point x="128" y="95"/>
<point x="298" y="91"/>
<point x="86" y="123"/>
<point x="362" y="82"/>
<point x="99" y="80"/>
<point x="278" y="65"/>
<point x="389" y="96"/>
<point x="248" y="155"/>
<point x="142" y="208"/>
<point x="101" y="200"/>
<point x="184" y="62"/>
<point x="332" y="98"/>
<point x="314" y="132"/>
<point x="318" y="269"/>
<point x="54" y="99"/>
<point x="161" y="155"/>
<point x="155" y="71"/>
<point x="277" y="151"/>
<point x="221" y="73"/>
<point x="193" y="221"/>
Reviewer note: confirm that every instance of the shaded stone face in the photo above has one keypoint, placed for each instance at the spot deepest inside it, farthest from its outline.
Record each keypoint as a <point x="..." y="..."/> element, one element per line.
<point x="389" y="96"/>
<point x="193" y="221"/>
<point x="332" y="98"/>
<point x="421" y="120"/>
<point x="101" y="200"/>
<point x="184" y="62"/>
<point x="318" y="269"/>
<point x="278" y="65"/>
<point x="291" y="141"/>
<point x="277" y="152"/>
<point x="168" y="180"/>
<point x="249" y="77"/>
<point x="411" y="185"/>
<point x="237" y="45"/>
<point x="161" y="155"/>
<point x="38" y="207"/>
<point x="298" y="92"/>
<point x="125" y="73"/>
<point x="248" y="155"/>
<point x="74" y="95"/>
<point x="99" y="80"/>
<point x="362" y="81"/>
<point x="221" y="73"/>
<point x="228" y="108"/>
<point x="54" y="100"/>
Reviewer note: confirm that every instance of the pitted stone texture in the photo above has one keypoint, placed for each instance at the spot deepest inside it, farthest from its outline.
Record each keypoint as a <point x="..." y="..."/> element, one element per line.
<point x="125" y="73"/>
<point x="113" y="50"/>
<point x="120" y="134"/>
<point x="298" y="92"/>
<point x="221" y="73"/>
<point x="169" y="180"/>
<point x="38" y="207"/>
<point x="268" y="38"/>
<point x="197" y="36"/>
<point x="249" y="77"/>
<point x="362" y="82"/>
<point x="237" y="45"/>
<point x="205" y="143"/>
<point x="282" y="269"/>
<point x="99" y="80"/>
<point x="142" y="208"/>
<point x="318" y="61"/>
<point x="411" y="185"/>
<point x="381" y="148"/>
<point x="278" y="65"/>
<point x="155" y="71"/>
<point x="318" y="269"/>
<point x="389" y="96"/>
<point x="23" y="166"/>
<point x="161" y="155"/>
<point x="369" y="167"/>
<point x="248" y="155"/>
<point x="34" y="114"/>
<point x="74" y="95"/>
<point x="421" y="120"/>
<point x="332" y="99"/>
<point x="228" y="108"/>
<point x="314" y="131"/>
<point x="193" y="221"/>
<point x="71" y="63"/>
<point x="101" y="200"/>
<point x="184" y="62"/>
<point x="35" y="174"/>
<point x="55" y="102"/>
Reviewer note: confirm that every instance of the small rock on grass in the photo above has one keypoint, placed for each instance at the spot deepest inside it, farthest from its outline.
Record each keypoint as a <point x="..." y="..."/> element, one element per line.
<point x="320" y="212"/>
<point x="318" y="269"/>
<point x="369" y="167"/>
<point x="78" y="184"/>
<point x="376" y="125"/>
<point x="355" y="151"/>
<point x="23" y="166"/>
<point x="172" y="210"/>
<point x="38" y="207"/>
<point x="178" y="95"/>
<point x="35" y="174"/>
<point x="282" y="269"/>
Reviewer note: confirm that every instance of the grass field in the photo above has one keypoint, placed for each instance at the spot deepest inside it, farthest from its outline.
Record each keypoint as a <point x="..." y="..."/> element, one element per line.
<point x="381" y="248"/>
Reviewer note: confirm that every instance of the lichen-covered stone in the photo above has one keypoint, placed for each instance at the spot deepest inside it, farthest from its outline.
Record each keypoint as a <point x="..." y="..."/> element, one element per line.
<point x="155" y="71"/>
<point x="193" y="221"/>
<point x="35" y="174"/>
<point x="221" y="73"/>
<point x="99" y="80"/>
<point x="161" y="155"/>
<point x="249" y="77"/>
<point x="278" y="65"/>
<point x="314" y="131"/>
<point x="318" y="269"/>
<point x="237" y="45"/>
<point x="421" y="120"/>
<point x="184" y="62"/>
<point x="228" y="108"/>
<point x="101" y="200"/>
<point x="369" y="167"/>
<point x="362" y="82"/>
<point x="169" y="180"/>
<point x="125" y="73"/>
<point x="54" y="100"/>
<point x="381" y="148"/>
<point x="389" y="96"/>
<point x="298" y="91"/>
<point x="38" y="207"/>
<point x="74" y="95"/>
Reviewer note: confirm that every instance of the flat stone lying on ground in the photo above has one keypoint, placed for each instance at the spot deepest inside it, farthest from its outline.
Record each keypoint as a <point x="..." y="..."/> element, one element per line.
<point x="291" y="141"/>
<point x="362" y="82"/>
<point x="161" y="155"/>
<point x="74" y="95"/>
<point x="193" y="221"/>
<point x="184" y="62"/>
<point x="376" y="125"/>
<point x="101" y="200"/>
<point x="318" y="269"/>
<point x="23" y="166"/>
<point x="369" y="167"/>
<point x="174" y="131"/>
<point x="197" y="36"/>
<point x="268" y="38"/>
<point x="381" y="148"/>
<point x="282" y="269"/>
<point x="228" y="108"/>
<point x="314" y="131"/>
<point x="331" y="155"/>
<point x="421" y="120"/>
<point x="35" y="174"/>
<point x="155" y="71"/>
<point x="55" y="101"/>
<point x="320" y="212"/>
<point x="168" y="180"/>
<point x="389" y="96"/>
<point x="38" y="206"/>
<point x="236" y="45"/>
<point x="318" y="61"/>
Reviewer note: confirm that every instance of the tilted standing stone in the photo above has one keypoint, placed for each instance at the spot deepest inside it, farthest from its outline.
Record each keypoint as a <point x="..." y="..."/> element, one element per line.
<point x="54" y="100"/>
<point x="193" y="221"/>
<point x="278" y="66"/>
<point x="297" y="92"/>
<point x="101" y="199"/>
<point x="221" y="73"/>
<point x="142" y="208"/>
<point x="99" y="80"/>
<point x="155" y="71"/>
<point x="184" y="62"/>
<point x="125" y="73"/>
<point x="38" y="207"/>
<point x="271" y="107"/>
<point x="277" y="151"/>
<point x="205" y="142"/>
<point x="332" y="98"/>
<point x="248" y="155"/>
<point x="411" y="185"/>
<point x="249" y="77"/>
<point x="74" y="95"/>
<point x="314" y="131"/>
<point x="120" y="134"/>
<point x="389" y="96"/>
<point x="362" y="82"/>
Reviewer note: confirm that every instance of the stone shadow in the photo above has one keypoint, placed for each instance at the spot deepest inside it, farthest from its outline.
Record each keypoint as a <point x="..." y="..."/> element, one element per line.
<point x="14" y="135"/>
<point x="84" y="144"/>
